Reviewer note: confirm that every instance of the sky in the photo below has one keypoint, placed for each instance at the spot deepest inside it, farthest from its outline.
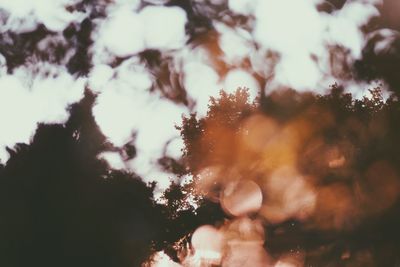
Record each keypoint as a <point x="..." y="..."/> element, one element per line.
<point x="151" y="62"/>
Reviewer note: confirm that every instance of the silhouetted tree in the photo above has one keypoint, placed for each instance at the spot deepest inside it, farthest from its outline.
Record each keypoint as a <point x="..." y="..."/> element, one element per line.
<point x="62" y="206"/>
<point x="368" y="132"/>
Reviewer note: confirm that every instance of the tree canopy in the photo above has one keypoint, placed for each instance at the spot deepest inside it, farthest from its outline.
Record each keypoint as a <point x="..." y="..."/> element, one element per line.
<point x="327" y="167"/>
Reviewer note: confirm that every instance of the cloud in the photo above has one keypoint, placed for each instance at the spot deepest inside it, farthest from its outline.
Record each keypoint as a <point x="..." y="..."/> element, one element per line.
<point x="255" y="44"/>
<point x="302" y="36"/>
<point x="122" y="34"/>
<point x="24" y="16"/>
<point x="243" y="7"/>
<point x="164" y="27"/>
<point x="127" y="31"/>
<point x="241" y="78"/>
<point x="126" y="108"/>
<point x="27" y="99"/>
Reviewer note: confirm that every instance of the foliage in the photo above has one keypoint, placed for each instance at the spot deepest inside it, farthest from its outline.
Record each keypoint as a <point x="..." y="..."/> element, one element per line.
<point x="367" y="130"/>
<point x="62" y="206"/>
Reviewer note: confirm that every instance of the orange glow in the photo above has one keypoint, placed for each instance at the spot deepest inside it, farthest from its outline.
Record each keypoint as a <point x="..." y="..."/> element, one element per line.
<point x="289" y="195"/>
<point x="207" y="243"/>
<point x="244" y="243"/>
<point x="258" y="130"/>
<point x="275" y="171"/>
<point x="201" y="240"/>
<point x="240" y="198"/>
<point x="381" y="187"/>
<point x="336" y="208"/>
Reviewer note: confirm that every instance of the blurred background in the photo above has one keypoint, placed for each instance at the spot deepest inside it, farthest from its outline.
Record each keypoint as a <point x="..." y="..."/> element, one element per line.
<point x="151" y="61"/>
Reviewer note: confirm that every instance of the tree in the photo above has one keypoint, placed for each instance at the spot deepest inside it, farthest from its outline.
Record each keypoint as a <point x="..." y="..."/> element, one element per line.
<point x="346" y="149"/>
<point x="62" y="206"/>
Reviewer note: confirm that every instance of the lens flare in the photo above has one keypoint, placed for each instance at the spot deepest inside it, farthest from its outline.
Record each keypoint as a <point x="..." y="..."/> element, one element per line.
<point x="241" y="198"/>
<point x="289" y="196"/>
<point x="207" y="243"/>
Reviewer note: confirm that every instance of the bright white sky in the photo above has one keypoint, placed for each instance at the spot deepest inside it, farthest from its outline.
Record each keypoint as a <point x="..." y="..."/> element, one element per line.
<point x="125" y="105"/>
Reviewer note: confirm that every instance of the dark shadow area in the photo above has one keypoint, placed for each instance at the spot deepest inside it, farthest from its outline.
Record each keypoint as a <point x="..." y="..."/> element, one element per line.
<point x="381" y="54"/>
<point x="347" y="149"/>
<point x="61" y="206"/>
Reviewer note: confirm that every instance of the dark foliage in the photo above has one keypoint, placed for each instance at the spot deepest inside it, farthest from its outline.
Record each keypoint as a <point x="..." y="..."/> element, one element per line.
<point x="166" y="79"/>
<point x="43" y="45"/>
<point x="367" y="130"/>
<point x="80" y="62"/>
<point x="61" y="206"/>
<point x="17" y="48"/>
<point x="381" y="65"/>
